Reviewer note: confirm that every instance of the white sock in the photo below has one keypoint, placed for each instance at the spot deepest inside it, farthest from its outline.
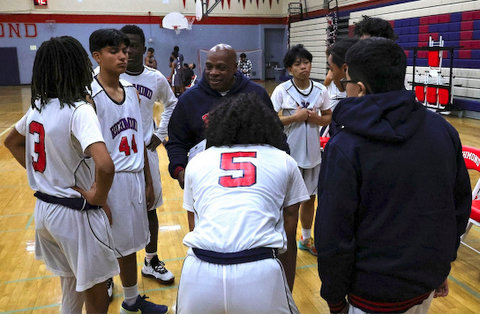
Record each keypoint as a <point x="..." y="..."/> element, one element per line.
<point x="306" y="234"/>
<point x="149" y="256"/>
<point x="130" y="294"/>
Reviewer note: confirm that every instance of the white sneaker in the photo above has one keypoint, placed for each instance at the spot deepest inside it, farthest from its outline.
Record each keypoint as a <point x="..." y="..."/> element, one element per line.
<point x="156" y="269"/>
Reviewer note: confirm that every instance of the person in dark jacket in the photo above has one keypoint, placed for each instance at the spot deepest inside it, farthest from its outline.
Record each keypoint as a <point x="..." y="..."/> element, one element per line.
<point x="395" y="195"/>
<point x="186" y="127"/>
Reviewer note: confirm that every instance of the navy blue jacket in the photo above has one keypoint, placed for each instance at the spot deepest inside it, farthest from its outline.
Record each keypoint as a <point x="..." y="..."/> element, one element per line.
<point x="186" y="126"/>
<point x="394" y="200"/>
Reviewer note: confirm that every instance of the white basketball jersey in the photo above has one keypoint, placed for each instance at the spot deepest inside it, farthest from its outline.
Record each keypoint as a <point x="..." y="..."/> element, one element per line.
<point x="55" y="141"/>
<point x="302" y="137"/>
<point x="121" y="125"/>
<point x="237" y="194"/>
<point x="152" y="86"/>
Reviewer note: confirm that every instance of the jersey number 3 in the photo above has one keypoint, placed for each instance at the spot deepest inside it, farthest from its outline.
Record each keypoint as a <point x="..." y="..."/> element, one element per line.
<point x="38" y="147"/>
<point x="249" y="176"/>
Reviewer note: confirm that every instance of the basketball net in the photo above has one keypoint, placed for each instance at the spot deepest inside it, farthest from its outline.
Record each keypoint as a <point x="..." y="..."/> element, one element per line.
<point x="178" y="28"/>
<point x="190" y="20"/>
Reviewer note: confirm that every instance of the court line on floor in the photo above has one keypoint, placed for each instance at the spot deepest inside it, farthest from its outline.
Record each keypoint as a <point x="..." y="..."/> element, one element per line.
<point x="34" y="308"/>
<point x="5" y="131"/>
<point x="461" y="284"/>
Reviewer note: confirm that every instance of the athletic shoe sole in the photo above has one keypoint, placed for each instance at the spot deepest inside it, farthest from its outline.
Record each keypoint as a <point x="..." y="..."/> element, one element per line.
<point x="158" y="279"/>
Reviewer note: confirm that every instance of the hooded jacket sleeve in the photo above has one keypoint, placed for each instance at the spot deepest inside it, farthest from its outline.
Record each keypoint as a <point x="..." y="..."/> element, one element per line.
<point x="335" y="225"/>
<point x="179" y="139"/>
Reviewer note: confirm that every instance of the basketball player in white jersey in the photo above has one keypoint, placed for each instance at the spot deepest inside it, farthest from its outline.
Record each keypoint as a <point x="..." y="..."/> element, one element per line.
<point x="118" y="111"/>
<point x="53" y="141"/>
<point x="300" y="100"/>
<point x="242" y="195"/>
<point x="151" y="86"/>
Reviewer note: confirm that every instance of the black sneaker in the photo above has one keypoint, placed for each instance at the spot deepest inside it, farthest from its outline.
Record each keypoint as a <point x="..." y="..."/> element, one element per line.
<point x="143" y="306"/>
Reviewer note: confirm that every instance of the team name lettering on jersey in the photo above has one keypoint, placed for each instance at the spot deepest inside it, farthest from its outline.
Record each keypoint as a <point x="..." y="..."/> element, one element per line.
<point x="144" y="91"/>
<point x="122" y="125"/>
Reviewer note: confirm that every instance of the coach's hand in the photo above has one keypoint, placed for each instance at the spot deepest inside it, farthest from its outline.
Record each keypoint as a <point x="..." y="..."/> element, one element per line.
<point x="181" y="178"/>
<point x="442" y="291"/>
<point x="154" y="142"/>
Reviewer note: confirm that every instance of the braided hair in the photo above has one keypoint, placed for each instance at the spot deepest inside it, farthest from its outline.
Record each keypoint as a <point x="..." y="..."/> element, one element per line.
<point x="61" y="70"/>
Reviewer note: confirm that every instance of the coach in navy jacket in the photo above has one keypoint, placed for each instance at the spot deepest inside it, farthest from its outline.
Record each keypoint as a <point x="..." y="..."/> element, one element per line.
<point x="220" y="79"/>
<point x="395" y="195"/>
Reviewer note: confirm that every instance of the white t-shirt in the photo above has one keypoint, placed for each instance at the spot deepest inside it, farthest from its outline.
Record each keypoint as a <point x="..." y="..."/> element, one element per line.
<point x="237" y="194"/>
<point x="55" y="142"/>
<point x="152" y="86"/>
<point x="335" y="95"/>
<point x="302" y="137"/>
<point x="121" y="125"/>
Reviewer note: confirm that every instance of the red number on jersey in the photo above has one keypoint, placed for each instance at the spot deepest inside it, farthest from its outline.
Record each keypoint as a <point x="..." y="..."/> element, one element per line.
<point x="39" y="147"/>
<point x="124" y="147"/>
<point x="249" y="176"/>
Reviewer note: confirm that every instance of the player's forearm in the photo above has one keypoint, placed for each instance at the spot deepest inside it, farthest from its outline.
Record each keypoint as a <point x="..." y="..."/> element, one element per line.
<point x="15" y="142"/>
<point x="191" y="220"/>
<point x="104" y="175"/>
<point x="324" y="119"/>
<point x="286" y="120"/>
<point x="104" y="172"/>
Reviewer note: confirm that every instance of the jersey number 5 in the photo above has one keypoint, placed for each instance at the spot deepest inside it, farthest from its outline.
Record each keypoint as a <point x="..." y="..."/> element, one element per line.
<point x="39" y="147"/>
<point x="249" y="176"/>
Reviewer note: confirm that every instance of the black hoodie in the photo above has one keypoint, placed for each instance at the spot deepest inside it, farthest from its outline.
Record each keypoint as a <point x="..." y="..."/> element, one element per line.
<point x="186" y="126"/>
<point x="394" y="200"/>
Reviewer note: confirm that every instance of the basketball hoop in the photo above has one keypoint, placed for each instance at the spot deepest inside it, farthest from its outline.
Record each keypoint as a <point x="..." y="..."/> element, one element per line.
<point x="175" y="21"/>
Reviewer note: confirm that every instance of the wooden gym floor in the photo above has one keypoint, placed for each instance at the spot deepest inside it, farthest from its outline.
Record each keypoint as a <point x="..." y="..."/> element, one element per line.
<point x="27" y="287"/>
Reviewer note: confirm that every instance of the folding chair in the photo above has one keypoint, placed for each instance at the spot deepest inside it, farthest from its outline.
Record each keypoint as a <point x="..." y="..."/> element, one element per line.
<point x="471" y="156"/>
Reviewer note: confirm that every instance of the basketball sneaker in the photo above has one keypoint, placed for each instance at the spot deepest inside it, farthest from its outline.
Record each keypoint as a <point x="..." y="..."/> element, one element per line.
<point x="156" y="269"/>
<point x="110" y="288"/>
<point x="307" y="245"/>
<point x="143" y="306"/>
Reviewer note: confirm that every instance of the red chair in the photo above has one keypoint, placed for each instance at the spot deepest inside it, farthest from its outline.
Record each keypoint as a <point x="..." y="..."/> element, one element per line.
<point x="323" y="141"/>
<point x="432" y="95"/>
<point x="471" y="156"/>
<point x="420" y="93"/>
<point x="434" y="58"/>
<point x="443" y="96"/>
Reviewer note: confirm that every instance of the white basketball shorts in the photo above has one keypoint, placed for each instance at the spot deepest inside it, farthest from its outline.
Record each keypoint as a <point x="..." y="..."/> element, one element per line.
<point x="75" y="243"/>
<point x="310" y="177"/>
<point x="156" y="180"/>
<point x="126" y="200"/>
<point x="255" y="287"/>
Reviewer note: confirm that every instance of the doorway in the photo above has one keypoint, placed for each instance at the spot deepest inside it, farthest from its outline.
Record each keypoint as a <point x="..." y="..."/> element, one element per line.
<point x="275" y="49"/>
<point x="9" y="74"/>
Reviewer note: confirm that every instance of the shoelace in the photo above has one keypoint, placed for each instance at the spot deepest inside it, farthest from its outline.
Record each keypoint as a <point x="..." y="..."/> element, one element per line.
<point x="160" y="267"/>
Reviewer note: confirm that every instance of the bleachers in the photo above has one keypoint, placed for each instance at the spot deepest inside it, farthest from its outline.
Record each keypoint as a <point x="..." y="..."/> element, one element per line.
<point x="457" y="21"/>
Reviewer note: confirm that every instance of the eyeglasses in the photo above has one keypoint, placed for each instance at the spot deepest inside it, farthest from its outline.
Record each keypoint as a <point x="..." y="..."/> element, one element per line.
<point x="344" y="83"/>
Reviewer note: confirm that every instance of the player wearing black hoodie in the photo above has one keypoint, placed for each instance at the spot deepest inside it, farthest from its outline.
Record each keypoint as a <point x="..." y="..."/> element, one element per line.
<point x="395" y="195"/>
